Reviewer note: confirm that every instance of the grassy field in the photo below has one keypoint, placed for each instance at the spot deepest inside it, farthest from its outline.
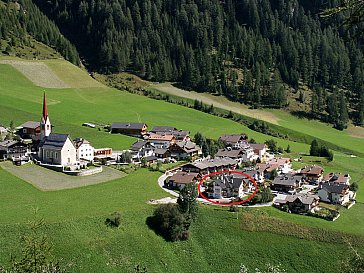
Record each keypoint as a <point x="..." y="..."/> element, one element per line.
<point x="75" y="217"/>
<point x="352" y="139"/>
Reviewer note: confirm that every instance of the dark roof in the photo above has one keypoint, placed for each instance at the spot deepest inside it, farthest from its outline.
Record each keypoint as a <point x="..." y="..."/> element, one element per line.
<point x="163" y="129"/>
<point x="127" y="125"/>
<point x="337" y="177"/>
<point x="54" y="141"/>
<point x="31" y="124"/>
<point x="233" y="138"/>
<point x="79" y="141"/>
<point x="232" y="153"/>
<point x="188" y="146"/>
<point x="287" y="180"/>
<point x="138" y="145"/>
<point x="314" y="170"/>
<point x="150" y="158"/>
<point x="334" y="187"/>
<point x="183" y="178"/>
<point x="304" y="198"/>
<point x="258" y="146"/>
<point x="160" y="151"/>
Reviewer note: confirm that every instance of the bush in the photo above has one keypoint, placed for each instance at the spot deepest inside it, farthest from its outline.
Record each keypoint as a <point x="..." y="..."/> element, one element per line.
<point x="114" y="220"/>
<point x="354" y="187"/>
<point x="169" y="222"/>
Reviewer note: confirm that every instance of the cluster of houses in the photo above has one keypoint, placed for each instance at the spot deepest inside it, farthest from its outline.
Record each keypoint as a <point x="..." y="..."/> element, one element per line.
<point x="36" y="141"/>
<point x="300" y="190"/>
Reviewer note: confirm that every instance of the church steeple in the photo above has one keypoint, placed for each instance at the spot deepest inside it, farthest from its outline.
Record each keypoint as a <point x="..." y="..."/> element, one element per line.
<point x="45" y="124"/>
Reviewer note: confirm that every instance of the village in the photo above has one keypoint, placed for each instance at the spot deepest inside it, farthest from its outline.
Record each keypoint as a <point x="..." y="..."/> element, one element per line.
<point x="278" y="184"/>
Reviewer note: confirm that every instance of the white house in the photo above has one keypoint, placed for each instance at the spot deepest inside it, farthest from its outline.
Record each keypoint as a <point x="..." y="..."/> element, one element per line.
<point x="235" y="185"/>
<point x="58" y="149"/>
<point x="334" y="193"/>
<point x="161" y="141"/>
<point x="141" y="149"/>
<point x="84" y="149"/>
<point x="260" y="150"/>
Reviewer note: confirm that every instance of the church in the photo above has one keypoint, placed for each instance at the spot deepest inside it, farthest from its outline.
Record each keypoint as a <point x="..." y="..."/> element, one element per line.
<point x="55" y="149"/>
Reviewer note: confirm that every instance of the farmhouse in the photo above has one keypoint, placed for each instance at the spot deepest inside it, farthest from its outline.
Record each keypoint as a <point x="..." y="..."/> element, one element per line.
<point x="14" y="150"/>
<point x="245" y="154"/>
<point x="234" y="185"/>
<point x="300" y="203"/>
<point x="207" y="166"/>
<point x="161" y="141"/>
<point x="312" y="174"/>
<point x="286" y="183"/>
<point x="180" y="135"/>
<point x="84" y="149"/>
<point x="162" y="153"/>
<point x="184" y="149"/>
<point x="130" y="129"/>
<point x="140" y="149"/>
<point x="337" y="178"/>
<point x="234" y="141"/>
<point x="30" y="129"/>
<point x="260" y="150"/>
<point x="334" y="193"/>
<point x="181" y="179"/>
<point x="58" y="149"/>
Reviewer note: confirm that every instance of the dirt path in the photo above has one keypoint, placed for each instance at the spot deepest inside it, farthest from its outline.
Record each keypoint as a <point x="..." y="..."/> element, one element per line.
<point x="48" y="180"/>
<point x="38" y="73"/>
<point x="217" y="101"/>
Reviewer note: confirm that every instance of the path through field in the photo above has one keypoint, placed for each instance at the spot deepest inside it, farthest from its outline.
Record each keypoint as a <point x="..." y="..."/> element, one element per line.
<point x="217" y="101"/>
<point x="38" y="73"/>
<point x="48" y="180"/>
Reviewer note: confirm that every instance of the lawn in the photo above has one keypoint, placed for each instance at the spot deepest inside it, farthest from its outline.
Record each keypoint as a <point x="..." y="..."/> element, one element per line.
<point x="75" y="217"/>
<point x="75" y="224"/>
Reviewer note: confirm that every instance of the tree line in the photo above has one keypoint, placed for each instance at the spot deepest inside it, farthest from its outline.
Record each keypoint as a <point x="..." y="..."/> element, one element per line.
<point x="253" y="51"/>
<point x="21" y="20"/>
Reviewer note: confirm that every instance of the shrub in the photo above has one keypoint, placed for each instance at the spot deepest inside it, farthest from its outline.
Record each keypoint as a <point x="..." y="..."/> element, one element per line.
<point x="114" y="220"/>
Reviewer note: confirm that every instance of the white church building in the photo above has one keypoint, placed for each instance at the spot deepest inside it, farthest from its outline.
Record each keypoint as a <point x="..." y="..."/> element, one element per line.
<point x="55" y="149"/>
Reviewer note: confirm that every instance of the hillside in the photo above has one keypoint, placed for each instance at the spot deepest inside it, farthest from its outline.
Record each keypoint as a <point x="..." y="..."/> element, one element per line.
<point x="219" y="242"/>
<point x="27" y="33"/>
<point x="250" y="51"/>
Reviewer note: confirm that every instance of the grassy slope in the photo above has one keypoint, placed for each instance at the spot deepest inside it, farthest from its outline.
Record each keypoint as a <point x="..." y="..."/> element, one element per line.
<point x="310" y="127"/>
<point x="69" y="108"/>
<point x="75" y="217"/>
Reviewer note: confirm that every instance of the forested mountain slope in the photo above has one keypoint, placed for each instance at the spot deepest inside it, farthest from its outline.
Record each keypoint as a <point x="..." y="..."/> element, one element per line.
<point x="21" y="22"/>
<point x="253" y="51"/>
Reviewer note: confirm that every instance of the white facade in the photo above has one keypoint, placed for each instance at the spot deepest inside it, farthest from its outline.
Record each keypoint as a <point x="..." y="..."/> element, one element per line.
<point x="45" y="127"/>
<point x="85" y="151"/>
<point x="64" y="156"/>
<point x="335" y="198"/>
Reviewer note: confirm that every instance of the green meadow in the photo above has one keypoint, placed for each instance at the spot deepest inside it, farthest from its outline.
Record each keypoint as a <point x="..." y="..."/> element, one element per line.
<point x="75" y="218"/>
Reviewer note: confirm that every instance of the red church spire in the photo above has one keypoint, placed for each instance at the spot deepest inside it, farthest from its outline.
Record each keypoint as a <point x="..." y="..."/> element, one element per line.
<point x="45" y="110"/>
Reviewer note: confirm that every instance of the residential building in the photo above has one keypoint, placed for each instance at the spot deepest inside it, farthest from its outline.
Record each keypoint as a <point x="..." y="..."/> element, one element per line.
<point x="334" y="193"/>
<point x="180" y="135"/>
<point x="30" y="129"/>
<point x="161" y="141"/>
<point x="184" y="149"/>
<point x="14" y="150"/>
<point x="337" y="178"/>
<point x="207" y="166"/>
<point x="300" y="203"/>
<point x="312" y="174"/>
<point x="234" y="141"/>
<point x="85" y="151"/>
<point x="260" y="150"/>
<point x="231" y="185"/>
<point x="287" y="183"/>
<point x="283" y="165"/>
<point x="140" y="149"/>
<point x="181" y="179"/>
<point x="162" y="153"/>
<point x="128" y="128"/>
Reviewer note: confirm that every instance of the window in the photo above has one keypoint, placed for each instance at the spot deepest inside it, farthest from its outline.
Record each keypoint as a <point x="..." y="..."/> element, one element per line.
<point x="56" y="155"/>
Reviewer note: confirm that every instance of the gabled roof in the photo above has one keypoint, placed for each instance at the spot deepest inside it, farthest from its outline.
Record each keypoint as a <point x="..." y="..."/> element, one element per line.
<point x="160" y="151"/>
<point x="161" y="137"/>
<point x="7" y="144"/>
<point x="163" y="129"/>
<point x="258" y="146"/>
<point x="233" y="138"/>
<point x="188" y="146"/>
<point x="79" y="141"/>
<point x="337" y="178"/>
<point x="334" y="187"/>
<point x="212" y="163"/>
<point x="279" y="161"/>
<point x="138" y="145"/>
<point x="183" y="178"/>
<point x="313" y="170"/>
<point x="306" y="199"/>
<point x="287" y="180"/>
<point x="232" y="153"/>
<point x="127" y="125"/>
<point x="54" y="141"/>
<point x="31" y="124"/>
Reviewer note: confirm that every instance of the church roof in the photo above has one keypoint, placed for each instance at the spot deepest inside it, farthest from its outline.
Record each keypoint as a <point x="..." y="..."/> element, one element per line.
<point x="54" y="141"/>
